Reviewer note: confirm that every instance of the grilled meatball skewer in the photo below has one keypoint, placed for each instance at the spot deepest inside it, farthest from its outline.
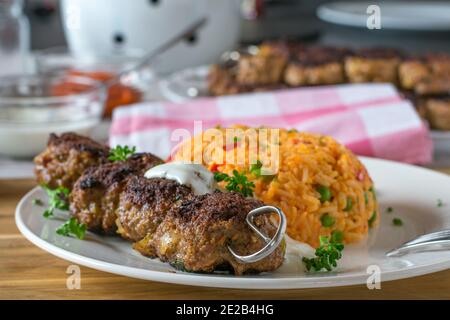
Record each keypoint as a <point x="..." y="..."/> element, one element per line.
<point x="186" y="221"/>
<point x="195" y="235"/>
<point x="79" y="163"/>
<point x="164" y="218"/>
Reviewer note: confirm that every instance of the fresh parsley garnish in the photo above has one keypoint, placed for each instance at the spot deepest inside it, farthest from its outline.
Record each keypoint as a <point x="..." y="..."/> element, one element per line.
<point x="57" y="199"/>
<point x="372" y="219"/>
<point x="120" y="153"/>
<point x="37" y="202"/>
<point x="440" y="203"/>
<point x="397" y="222"/>
<point x="219" y="176"/>
<point x="327" y="255"/>
<point x="238" y="182"/>
<point x="72" y="228"/>
<point x="179" y="265"/>
<point x="48" y="213"/>
<point x="372" y="189"/>
<point x="390" y="210"/>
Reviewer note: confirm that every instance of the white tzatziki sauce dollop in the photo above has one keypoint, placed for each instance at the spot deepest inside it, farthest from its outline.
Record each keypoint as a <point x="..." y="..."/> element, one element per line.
<point x="295" y="251"/>
<point x="195" y="176"/>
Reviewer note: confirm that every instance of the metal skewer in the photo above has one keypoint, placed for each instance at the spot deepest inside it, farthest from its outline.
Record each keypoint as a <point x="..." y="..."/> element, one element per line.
<point x="271" y="243"/>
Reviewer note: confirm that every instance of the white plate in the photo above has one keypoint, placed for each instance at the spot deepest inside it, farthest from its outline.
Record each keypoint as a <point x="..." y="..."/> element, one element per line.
<point x="411" y="191"/>
<point x="399" y="15"/>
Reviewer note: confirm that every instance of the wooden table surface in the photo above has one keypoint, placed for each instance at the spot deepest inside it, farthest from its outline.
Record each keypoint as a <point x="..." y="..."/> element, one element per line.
<point x="27" y="272"/>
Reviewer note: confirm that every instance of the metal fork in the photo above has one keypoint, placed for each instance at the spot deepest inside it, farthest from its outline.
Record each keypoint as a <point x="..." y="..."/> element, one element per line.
<point x="435" y="241"/>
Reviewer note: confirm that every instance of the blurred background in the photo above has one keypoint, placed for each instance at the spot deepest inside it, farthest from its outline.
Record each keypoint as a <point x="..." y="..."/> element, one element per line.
<point x="53" y="52"/>
<point x="260" y="20"/>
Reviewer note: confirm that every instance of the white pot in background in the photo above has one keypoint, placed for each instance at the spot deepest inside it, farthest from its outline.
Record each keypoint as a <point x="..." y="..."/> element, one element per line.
<point x="92" y="27"/>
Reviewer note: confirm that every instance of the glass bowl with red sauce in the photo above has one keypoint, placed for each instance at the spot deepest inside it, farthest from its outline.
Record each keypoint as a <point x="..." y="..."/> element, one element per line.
<point x="99" y="67"/>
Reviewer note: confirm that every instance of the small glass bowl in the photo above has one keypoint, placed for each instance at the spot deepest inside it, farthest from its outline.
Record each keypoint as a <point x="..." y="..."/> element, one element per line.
<point x="58" y="59"/>
<point x="131" y="88"/>
<point x="31" y="109"/>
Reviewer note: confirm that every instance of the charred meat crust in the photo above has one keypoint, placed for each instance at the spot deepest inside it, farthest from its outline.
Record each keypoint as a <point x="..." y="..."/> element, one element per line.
<point x="429" y="58"/>
<point x="141" y="191"/>
<point x="95" y="196"/>
<point x="220" y="206"/>
<point x="378" y="53"/>
<point x="108" y="174"/>
<point x="317" y="56"/>
<point x="70" y="140"/>
<point x="144" y="204"/>
<point x="66" y="159"/>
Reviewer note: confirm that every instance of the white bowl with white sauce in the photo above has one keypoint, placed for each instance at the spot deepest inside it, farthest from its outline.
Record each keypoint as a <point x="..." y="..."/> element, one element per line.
<point x="29" y="111"/>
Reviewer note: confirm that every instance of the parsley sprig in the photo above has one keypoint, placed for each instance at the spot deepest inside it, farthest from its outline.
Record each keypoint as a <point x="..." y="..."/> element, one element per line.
<point x="327" y="255"/>
<point x="57" y="199"/>
<point x="372" y="219"/>
<point x="238" y="182"/>
<point x="72" y="228"/>
<point x="120" y="153"/>
<point x="38" y="202"/>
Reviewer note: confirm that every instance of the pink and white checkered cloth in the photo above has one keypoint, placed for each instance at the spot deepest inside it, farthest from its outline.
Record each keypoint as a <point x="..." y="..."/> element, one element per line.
<point x="371" y="119"/>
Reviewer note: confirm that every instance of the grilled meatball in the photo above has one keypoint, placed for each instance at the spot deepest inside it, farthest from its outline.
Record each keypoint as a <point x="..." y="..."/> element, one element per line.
<point x="194" y="235"/>
<point x="433" y="85"/>
<point x="412" y="72"/>
<point x="373" y="65"/>
<point x="222" y="81"/>
<point x="316" y="66"/>
<point x="437" y="112"/>
<point x="95" y="196"/>
<point x="264" y="68"/>
<point x="66" y="158"/>
<point x="426" y="75"/>
<point x="439" y="63"/>
<point x="144" y="204"/>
